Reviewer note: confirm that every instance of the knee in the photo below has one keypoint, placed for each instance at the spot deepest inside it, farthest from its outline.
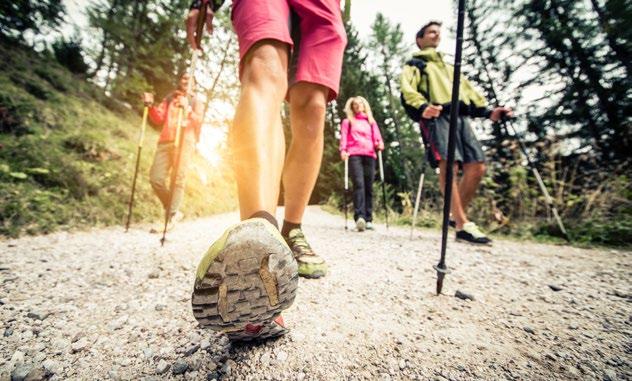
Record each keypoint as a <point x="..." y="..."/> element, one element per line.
<point x="266" y="72"/>
<point x="157" y="184"/>
<point x="312" y="105"/>
<point x="479" y="170"/>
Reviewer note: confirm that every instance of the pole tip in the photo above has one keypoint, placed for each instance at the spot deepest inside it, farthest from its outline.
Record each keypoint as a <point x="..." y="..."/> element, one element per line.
<point x="440" y="277"/>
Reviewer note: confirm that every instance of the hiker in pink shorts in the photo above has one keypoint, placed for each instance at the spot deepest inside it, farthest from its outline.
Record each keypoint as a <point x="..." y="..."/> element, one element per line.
<point x="290" y="50"/>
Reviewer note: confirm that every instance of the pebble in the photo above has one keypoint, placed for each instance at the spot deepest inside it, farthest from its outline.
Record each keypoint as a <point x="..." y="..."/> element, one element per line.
<point x="162" y="367"/>
<point x="148" y="353"/>
<point x="529" y="330"/>
<point x="8" y="332"/>
<point x="179" y="367"/>
<point x="204" y="344"/>
<point x="281" y="356"/>
<point x="160" y="307"/>
<point x="38" y="315"/>
<point x="154" y="274"/>
<point x="79" y="345"/>
<point x="555" y="287"/>
<point x="609" y="375"/>
<point x="191" y="349"/>
<point x="20" y="372"/>
<point x="265" y="359"/>
<point x="463" y="295"/>
<point x="227" y="368"/>
<point x="51" y="366"/>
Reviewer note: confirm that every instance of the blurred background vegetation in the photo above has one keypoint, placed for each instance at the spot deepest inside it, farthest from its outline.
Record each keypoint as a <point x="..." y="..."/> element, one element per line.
<point x="69" y="114"/>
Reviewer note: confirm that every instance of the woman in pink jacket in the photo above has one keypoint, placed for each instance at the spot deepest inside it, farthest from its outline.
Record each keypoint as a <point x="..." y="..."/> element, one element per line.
<point x="359" y="139"/>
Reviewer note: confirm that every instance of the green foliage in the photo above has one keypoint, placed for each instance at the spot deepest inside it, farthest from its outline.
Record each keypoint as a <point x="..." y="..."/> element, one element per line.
<point x="142" y="46"/>
<point x="19" y="16"/>
<point x="67" y="161"/>
<point x="69" y="54"/>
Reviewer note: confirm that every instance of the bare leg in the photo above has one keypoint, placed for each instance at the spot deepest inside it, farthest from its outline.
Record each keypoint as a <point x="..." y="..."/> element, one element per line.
<point x="256" y="137"/>
<point x="472" y="175"/>
<point x="307" y="117"/>
<point x="456" y="207"/>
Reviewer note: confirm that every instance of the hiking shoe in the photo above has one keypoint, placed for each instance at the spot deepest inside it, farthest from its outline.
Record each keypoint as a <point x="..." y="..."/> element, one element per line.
<point x="472" y="234"/>
<point x="369" y="226"/>
<point x="361" y="224"/>
<point x="244" y="281"/>
<point x="174" y="220"/>
<point x="310" y="265"/>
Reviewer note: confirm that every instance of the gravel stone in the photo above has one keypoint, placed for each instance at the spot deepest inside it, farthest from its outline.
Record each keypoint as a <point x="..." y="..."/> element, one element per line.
<point x="463" y="295"/>
<point x="353" y="324"/>
<point x="179" y="367"/>
<point x="162" y="367"/>
<point x="79" y="345"/>
<point x="20" y="372"/>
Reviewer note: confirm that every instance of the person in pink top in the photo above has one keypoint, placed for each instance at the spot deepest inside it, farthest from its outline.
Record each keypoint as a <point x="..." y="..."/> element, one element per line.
<point x="359" y="139"/>
<point x="289" y="50"/>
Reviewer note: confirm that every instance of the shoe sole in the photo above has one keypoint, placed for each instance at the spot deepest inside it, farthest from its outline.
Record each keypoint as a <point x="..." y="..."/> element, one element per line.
<point x="248" y="282"/>
<point x="472" y="243"/>
<point x="361" y="225"/>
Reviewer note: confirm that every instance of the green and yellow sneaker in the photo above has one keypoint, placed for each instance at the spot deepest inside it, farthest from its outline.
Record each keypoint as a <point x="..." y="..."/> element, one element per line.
<point x="244" y="281"/>
<point x="472" y="234"/>
<point x="310" y="265"/>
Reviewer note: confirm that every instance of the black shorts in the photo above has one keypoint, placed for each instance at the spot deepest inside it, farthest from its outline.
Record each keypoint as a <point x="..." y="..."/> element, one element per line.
<point x="435" y="135"/>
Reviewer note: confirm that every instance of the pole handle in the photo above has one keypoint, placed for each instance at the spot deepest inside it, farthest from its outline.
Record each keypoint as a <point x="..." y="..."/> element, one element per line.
<point x="379" y="156"/>
<point x="346" y="174"/>
<point x="143" y="126"/>
<point x="417" y="199"/>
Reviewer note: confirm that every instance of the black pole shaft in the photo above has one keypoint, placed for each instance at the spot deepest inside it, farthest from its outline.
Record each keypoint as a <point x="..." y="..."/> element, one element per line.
<point x="454" y="113"/>
<point x="131" y="197"/>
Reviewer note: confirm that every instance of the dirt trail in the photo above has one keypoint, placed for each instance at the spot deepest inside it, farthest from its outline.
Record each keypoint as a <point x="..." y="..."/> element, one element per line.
<point x="107" y="305"/>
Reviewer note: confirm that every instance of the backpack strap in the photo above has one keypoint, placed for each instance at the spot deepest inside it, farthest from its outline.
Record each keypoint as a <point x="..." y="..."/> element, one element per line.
<point x="420" y="64"/>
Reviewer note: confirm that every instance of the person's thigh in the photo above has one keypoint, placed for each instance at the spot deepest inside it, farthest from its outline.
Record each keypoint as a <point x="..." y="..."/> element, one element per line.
<point x="472" y="148"/>
<point x="439" y="136"/>
<point x="322" y="43"/>
<point x="257" y="21"/>
<point x="356" y="171"/>
<point x="159" y="170"/>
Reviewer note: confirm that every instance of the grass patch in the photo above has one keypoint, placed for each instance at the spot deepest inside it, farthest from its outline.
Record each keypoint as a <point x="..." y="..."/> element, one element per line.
<point x="67" y="159"/>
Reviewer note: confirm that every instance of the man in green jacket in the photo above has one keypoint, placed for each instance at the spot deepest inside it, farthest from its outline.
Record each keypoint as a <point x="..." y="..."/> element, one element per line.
<point x="426" y="86"/>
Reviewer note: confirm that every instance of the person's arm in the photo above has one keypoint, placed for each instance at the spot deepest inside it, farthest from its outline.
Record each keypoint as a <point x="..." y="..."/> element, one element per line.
<point x="409" y="86"/>
<point x="478" y="107"/>
<point x="378" y="143"/>
<point x="344" y="134"/>
<point x="194" y="11"/>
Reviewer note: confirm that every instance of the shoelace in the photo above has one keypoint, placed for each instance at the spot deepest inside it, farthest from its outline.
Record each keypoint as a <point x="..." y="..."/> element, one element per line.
<point x="300" y="244"/>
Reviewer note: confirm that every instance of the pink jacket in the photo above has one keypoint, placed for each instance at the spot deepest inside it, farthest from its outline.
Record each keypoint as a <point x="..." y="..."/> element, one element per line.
<point x="360" y="137"/>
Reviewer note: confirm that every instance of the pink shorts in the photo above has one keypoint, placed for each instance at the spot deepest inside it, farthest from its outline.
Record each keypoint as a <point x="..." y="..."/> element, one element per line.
<point x="318" y="29"/>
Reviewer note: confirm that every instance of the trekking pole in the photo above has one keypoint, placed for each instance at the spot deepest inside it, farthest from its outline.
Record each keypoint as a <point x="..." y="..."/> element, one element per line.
<point x="418" y="198"/>
<point x="379" y="156"/>
<point x="346" y="188"/>
<point x="547" y="197"/>
<point x="138" y="152"/>
<point x="182" y="115"/>
<point x="441" y="267"/>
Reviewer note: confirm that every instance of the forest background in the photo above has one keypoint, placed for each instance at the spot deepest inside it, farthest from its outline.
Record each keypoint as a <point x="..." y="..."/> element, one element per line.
<point x="69" y="114"/>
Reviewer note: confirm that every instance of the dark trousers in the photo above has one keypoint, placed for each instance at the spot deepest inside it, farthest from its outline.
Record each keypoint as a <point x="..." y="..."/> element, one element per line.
<point x="362" y="170"/>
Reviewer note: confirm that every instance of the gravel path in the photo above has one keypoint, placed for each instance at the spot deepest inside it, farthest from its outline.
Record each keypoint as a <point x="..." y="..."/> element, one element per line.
<point x="107" y="305"/>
